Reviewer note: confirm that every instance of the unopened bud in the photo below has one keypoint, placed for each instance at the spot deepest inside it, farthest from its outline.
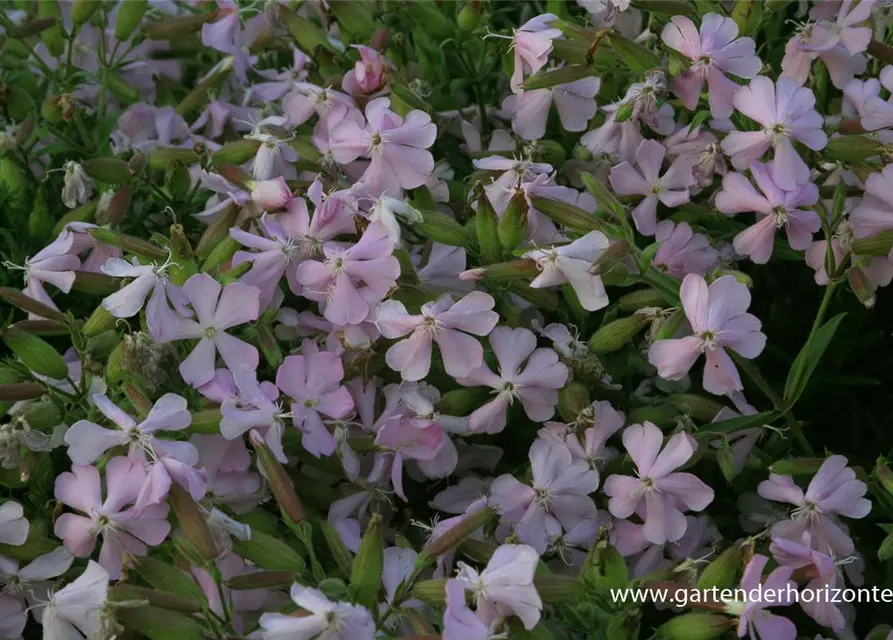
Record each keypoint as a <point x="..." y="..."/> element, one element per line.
<point x="454" y="536"/>
<point x="513" y="223"/>
<point x="469" y="17"/>
<point x="216" y="232"/>
<point x="36" y="354"/>
<point x="173" y="28"/>
<point x="796" y="466"/>
<point x="695" y="626"/>
<point x="99" y="322"/>
<point x="112" y="207"/>
<point x="852" y="148"/>
<point x="111" y="170"/>
<point x="181" y="242"/>
<point x="700" y="408"/>
<point x="261" y="580"/>
<point x="641" y="299"/>
<point x="723" y="571"/>
<point x="97" y="284"/>
<point x="52" y="37"/>
<point x="236" y="152"/>
<point x="83" y="10"/>
<point x="26" y="303"/>
<point x="221" y="254"/>
<point x="557" y="588"/>
<point x="615" y="254"/>
<point x="368" y="564"/>
<point x="235" y="174"/>
<point x="51" y="109"/>
<point x="161" y="158"/>
<point x="132" y="244"/>
<point x="567" y="214"/>
<point x="16" y="391"/>
<point x="280" y="484"/>
<point x="885" y="477"/>
<point x="862" y="287"/>
<point x="615" y="335"/>
<point x="431" y="592"/>
<point x="379" y="40"/>
<point x="573" y="398"/>
<point x="443" y="229"/>
<point x="192" y="522"/>
<point x="128" y="17"/>
<point x="670" y="326"/>
<point x="136" y="164"/>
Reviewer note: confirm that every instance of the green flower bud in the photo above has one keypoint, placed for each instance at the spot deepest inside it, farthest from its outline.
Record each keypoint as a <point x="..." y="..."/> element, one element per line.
<point x="572" y="399"/>
<point x="52" y="37"/>
<point x="443" y="229"/>
<point x="615" y="335"/>
<point x="641" y="299"/>
<point x="26" y="303"/>
<point x="128" y="18"/>
<point x="41" y="221"/>
<point x="469" y="17"/>
<point x="83" y="10"/>
<point x="431" y="592"/>
<point x="695" y="626"/>
<point x="852" y="148"/>
<point x="269" y="553"/>
<point x="280" y="484"/>
<point x="177" y="180"/>
<point x="512" y="225"/>
<point x="487" y="228"/>
<point x="261" y="580"/>
<point x="365" y="577"/>
<point x="19" y="105"/>
<point x="111" y="170"/>
<point x="558" y="588"/>
<point x="16" y="391"/>
<point x="175" y="28"/>
<point x="98" y="284"/>
<point x="42" y="415"/>
<point x="36" y="354"/>
<point x="99" y="322"/>
<point x="567" y="214"/>
<point x="221" y="254"/>
<point x="161" y="158"/>
<point x="128" y="243"/>
<point x="700" y="408"/>
<point x="723" y="571"/>
<point x="796" y="466"/>
<point x="206" y="421"/>
<point x="454" y="536"/>
<point x="192" y="522"/>
<point x="236" y="152"/>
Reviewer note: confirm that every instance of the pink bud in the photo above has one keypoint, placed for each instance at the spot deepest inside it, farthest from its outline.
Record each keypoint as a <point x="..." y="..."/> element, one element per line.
<point x="271" y="195"/>
<point x="472" y="275"/>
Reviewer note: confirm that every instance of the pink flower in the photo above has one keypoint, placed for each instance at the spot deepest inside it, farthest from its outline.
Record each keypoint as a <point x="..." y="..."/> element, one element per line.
<point x="822" y="572"/>
<point x="306" y="99"/>
<point x="369" y="74"/>
<point x="833" y="491"/>
<point x="149" y="281"/>
<point x="874" y="213"/>
<point x="826" y="35"/>
<point x="54" y="264"/>
<point x="683" y="251"/>
<point x="122" y="531"/>
<point x="559" y="498"/>
<point x="719" y="320"/>
<point x="532" y="43"/>
<point x="605" y="421"/>
<point x="876" y="113"/>
<point x="253" y="406"/>
<point x="526" y="373"/>
<point x="13" y="525"/>
<point x="459" y="621"/>
<point x="313" y="382"/>
<point x="775" y="207"/>
<point x="215" y="313"/>
<point x="663" y="493"/>
<point x="78" y="606"/>
<point x="841" y="66"/>
<point x="714" y="50"/>
<point x="786" y="113"/>
<point x="753" y="618"/>
<point x="505" y="587"/>
<point x="408" y="441"/>
<point x="396" y="147"/>
<point x="281" y="82"/>
<point x="279" y="252"/>
<point x="327" y="620"/>
<point x="167" y="460"/>
<point x="444" y="322"/>
<point x="514" y="172"/>
<point x="336" y="281"/>
<point x="275" y="157"/>
<point x="571" y="263"/>
<point x="574" y="101"/>
<point x="672" y="189"/>
<point x="218" y="114"/>
<point x="20" y="582"/>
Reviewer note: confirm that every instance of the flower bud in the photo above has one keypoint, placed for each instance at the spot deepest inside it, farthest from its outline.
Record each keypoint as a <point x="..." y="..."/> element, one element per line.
<point x="280" y="484"/>
<point x="98" y="284"/>
<point x="487" y="230"/>
<point x="885" y="477"/>
<point x="695" y="626"/>
<point x="41" y="221"/>
<point x="663" y="415"/>
<point x="174" y="28"/>
<point x="51" y="110"/>
<point x="128" y="243"/>
<point x="236" y="152"/>
<point x="454" y="536"/>
<point x="852" y="148"/>
<point x="26" y="303"/>
<point x="723" y="571"/>
<point x="573" y="398"/>
<point x="99" y="321"/>
<point x="567" y="214"/>
<point x="180" y="242"/>
<point x="669" y="328"/>
<point x="192" y="522"/>
<point x="18" y="103"/>
<point x="796" y="466"/>
<point x="221" y="254"/>
<point x="42" y="415"/>
<point x="236" y="175"/>
<point x="128" y="18"/>
<point x="36" y="354"/>
<point x="337" y="548"/>
<point x="111" y="170"/>
<point x="379" y="39"/>
<point x="443" y="229"/>
<point x="111" y="210"/>
<point x="137" y="163"/>
<point x="52" y="37"/>
<point x="512" y="225"/>
<point x="83" y="10"/>
<point x="16" y="391"/>
<point x="550" y="152"/>
<point x="469" y="17"/>
<point x="32" y="27"/>
<point x="624" y="112"/>
<point x="885" y="550"/>
<point x="365" y="576"/>
<point x="161" y="158"/>
<point x="215" y="233"/>
<point x="515" y="270"/>
<point x="861" y="287"/>
<point x="617" y="334"/>
<point x="43" y="327"/>
<point x="700" y="408"/>
<point x="641" y="299"/>
<point x="269" y="553"/>
<point x="125" y="592"/>
<point x="558" y="588"/>
<point x="261" y="580"/>
<point x="431" y="592"/>
<point x="114" y="372"/>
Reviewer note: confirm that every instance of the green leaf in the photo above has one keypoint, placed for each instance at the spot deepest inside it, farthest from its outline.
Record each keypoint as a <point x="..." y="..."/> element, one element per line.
<point x="808" y="359"/>
<point x="160" y="624"/>
<point x="736" y="424"/>
<point x="560" y="76"/>
<point x="166" y="577"/>
<point x="637" y="58"/>
<point x="269" y="553"/>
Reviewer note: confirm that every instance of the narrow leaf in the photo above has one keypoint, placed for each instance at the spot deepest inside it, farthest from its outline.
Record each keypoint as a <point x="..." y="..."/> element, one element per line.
<point x="808" y="359"/>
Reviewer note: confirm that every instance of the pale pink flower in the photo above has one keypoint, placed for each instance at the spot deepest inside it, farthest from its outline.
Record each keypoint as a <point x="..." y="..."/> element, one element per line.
<point x="336" y="281"/>
<point x="396" y="147"/>
<point x="459" y="621"/>
<point x="281" y="82"/>
<point x="327" y="620"/>
<point x="408" y="441"/>
<point x="217" y="309"/>
<point x="876" y="113"/>
<point x="719" y="320"/>
<point x="874" y="213"/>
<point x="572" y="263"/>
<point x="19" y="584"/>
<point x="306" y="99"/>
<point x="526" y="373"/>
<point x="574" y="101"/>
<point x="559" y="498"/>
<point x="682" y="251"/>
<point x="313" y="382"/>
<point x="833" y="491"/>
<point x="505" y="586"/>
<point x="753" y="619"/>
<point x="715" y="49"/>
<point x="14" y="526"/>
<point x="799" y="554"/>
<point x="369" y="74"/>
<point x="514" y="172"/>
<point x="253" y="406"/>
<point x="77" y="608"/>
<point x="218" y="114"/>
<point x="702" y="147"/>
<point x="278" y="252"/>
<point x="55" y="264"/>
<point x="532" y="43"/>
<point x="671" y="189"/>
<point x="775" y="207"/>
<point x="149" y="281"/>
<point x="166" y="461"/>
<point x="825" y="35"/>
<point x="663" y="492"/>
<point x="122" y="531"/>
<point x="786" y="113"/>
<point x="445" y="322"/>
<point x="591" y="447"/>
<point x="275" y="157"/>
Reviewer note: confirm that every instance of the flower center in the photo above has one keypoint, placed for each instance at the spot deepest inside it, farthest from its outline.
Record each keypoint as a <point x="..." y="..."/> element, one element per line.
<point x="779" y="130"/>
<point x="431" y="326"/>
<point x="809" y="511"/>
<point x="311" y="403"/>
<point x="708" y="340"/>
<point x="210" y="332"/>
<point x="781" y="217"/>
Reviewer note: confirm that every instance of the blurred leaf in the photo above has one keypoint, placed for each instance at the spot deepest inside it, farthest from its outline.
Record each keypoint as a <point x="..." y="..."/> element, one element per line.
<point x="808" y="359"/>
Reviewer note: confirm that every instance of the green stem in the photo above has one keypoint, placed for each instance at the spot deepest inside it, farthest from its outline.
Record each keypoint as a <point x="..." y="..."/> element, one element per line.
<point x="820" y="316"/>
